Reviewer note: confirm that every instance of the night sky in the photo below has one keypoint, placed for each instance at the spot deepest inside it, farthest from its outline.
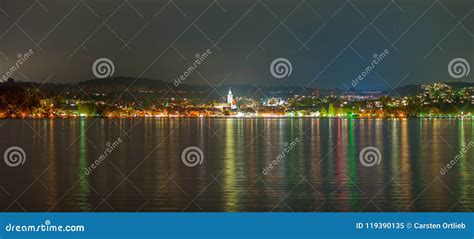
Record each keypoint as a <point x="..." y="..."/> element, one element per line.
<point x="328" y="42"/>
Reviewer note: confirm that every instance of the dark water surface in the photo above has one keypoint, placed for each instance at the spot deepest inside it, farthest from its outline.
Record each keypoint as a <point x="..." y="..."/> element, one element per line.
<point x="320" y="171"/>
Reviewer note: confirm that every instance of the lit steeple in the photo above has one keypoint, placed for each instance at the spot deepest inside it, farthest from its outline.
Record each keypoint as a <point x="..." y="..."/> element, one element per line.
<point x="230" y="97"/>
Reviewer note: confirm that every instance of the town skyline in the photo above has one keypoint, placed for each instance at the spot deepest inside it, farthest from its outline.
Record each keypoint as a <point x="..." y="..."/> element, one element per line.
<point x="144" y="99"/>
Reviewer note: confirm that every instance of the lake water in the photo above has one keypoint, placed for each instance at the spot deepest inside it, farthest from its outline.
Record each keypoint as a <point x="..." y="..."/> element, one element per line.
<point x="316" y="165"/>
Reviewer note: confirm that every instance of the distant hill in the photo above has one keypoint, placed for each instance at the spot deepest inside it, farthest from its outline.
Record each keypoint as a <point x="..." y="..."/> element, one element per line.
<point x="416" y="89"/>
<point x="118" y="84"/>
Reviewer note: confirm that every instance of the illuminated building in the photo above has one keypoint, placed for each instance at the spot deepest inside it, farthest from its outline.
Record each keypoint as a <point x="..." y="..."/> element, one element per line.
<point x="230" y="100"/>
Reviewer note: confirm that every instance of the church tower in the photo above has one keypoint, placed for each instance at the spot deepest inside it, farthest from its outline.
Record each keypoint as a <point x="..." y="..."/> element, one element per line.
<point x="230" y="97"/>
<point x="231" y="101"/>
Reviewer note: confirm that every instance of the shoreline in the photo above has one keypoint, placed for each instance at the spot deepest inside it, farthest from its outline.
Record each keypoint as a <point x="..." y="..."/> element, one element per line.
<point x="239" y="117"/>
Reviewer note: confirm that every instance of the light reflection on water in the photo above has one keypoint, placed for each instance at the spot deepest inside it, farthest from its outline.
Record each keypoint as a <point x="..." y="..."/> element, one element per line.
<point x="320" y="173"/>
